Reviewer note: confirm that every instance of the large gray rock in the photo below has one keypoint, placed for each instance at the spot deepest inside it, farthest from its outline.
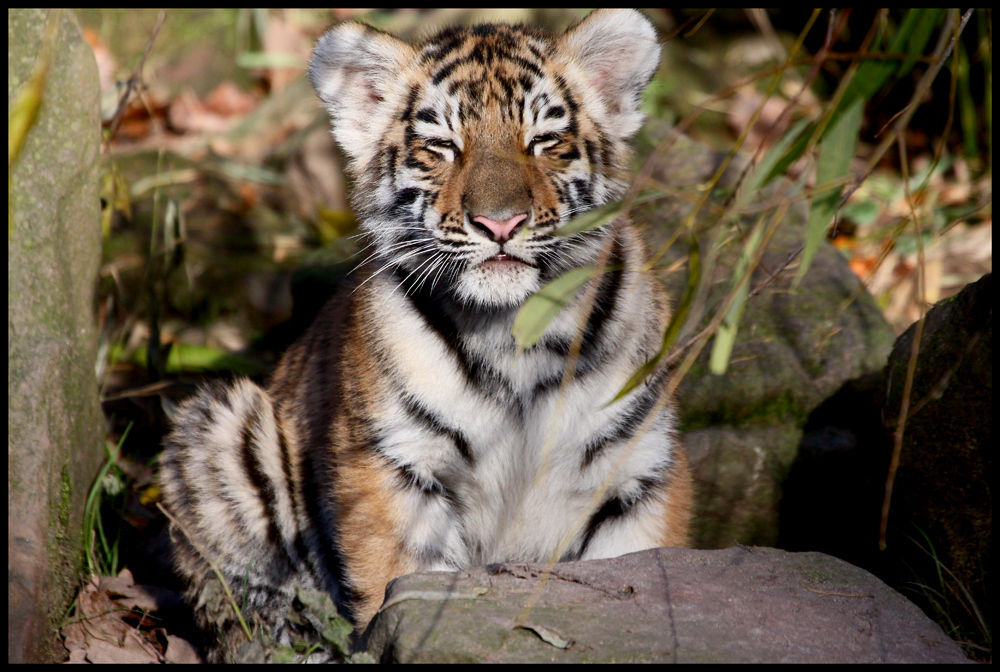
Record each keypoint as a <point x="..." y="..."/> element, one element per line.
<point x="55" y="427"/>
<point x="940" y="526"/>
<point x="943" y="483"/>
<point x="795" y="347"/>
<point x="746" y="605"/>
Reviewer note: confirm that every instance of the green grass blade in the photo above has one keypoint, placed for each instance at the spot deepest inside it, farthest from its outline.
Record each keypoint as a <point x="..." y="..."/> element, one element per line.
<point x="725" y="337"/>
<point x="835" y="154"/>
<point x="541" y="308"/>
<point x="966" y="105"/>
<point x="92" y="507"/>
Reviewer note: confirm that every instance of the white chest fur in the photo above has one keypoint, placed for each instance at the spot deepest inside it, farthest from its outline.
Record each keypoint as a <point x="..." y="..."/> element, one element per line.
<point x="501" y="469"/>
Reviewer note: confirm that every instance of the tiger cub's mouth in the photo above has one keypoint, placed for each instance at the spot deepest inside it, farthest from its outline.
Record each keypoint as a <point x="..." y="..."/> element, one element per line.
<point x="502" y="261"/>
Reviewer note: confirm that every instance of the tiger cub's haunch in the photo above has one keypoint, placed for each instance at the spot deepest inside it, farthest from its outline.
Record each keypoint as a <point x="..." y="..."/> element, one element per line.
<point x="404" y="432"/>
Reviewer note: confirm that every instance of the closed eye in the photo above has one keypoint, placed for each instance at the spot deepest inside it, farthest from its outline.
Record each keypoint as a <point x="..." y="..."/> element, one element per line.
<point x="438" y="144"/>
<point x="544" y="141"/>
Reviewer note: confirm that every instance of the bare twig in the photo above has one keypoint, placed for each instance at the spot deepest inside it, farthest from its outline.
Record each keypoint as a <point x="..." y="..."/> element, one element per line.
<point x="897" y="447"/>
<point x="136" y="77"/>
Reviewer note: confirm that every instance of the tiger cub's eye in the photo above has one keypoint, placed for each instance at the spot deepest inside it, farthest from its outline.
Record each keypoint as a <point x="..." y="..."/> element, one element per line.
<point x="440" y="144"/>
<point x="544" y="141"/>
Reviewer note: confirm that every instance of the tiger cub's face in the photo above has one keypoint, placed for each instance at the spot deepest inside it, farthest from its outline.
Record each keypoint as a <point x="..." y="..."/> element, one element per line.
<point x="470" y="149"/>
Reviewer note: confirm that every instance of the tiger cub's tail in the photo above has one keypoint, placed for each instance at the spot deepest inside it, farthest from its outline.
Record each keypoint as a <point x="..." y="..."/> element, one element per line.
<point x="226" y="478"/>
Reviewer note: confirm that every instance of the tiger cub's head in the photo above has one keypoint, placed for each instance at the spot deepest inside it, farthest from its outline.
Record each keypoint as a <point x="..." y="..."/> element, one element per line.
<point x="469" y="149"/>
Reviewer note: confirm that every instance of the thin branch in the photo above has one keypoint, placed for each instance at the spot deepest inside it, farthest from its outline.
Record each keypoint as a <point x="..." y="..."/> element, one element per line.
<point x="136" y="77"/>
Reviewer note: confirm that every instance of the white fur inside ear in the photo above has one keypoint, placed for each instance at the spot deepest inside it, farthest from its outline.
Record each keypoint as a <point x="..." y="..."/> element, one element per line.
<point x="617" y="52"/>
<point x="355" y="69"/>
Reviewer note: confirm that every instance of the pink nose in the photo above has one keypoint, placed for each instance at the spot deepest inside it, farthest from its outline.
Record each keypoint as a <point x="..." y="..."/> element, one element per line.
<point x="500" y="230"/>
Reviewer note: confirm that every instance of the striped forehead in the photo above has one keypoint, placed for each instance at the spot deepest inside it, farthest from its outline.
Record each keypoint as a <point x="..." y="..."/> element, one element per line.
<point x="485" y="70"/>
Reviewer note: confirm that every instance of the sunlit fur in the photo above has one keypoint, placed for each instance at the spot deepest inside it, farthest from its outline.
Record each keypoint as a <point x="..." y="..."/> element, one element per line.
<point x="404" y="431"/>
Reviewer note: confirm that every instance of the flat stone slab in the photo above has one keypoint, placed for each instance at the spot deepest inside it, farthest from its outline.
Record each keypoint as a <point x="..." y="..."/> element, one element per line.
<point x="736" y="605"/>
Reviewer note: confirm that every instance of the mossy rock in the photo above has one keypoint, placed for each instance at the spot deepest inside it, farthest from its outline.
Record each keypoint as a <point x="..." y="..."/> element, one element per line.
<point x="796" y="346"/>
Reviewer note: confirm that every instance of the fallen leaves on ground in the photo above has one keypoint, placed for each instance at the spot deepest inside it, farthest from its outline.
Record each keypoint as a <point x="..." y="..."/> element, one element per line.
<point x="115" y="622"/>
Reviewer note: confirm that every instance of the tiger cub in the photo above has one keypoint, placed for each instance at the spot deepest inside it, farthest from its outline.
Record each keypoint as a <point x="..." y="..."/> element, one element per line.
<point x="404" y="432"/>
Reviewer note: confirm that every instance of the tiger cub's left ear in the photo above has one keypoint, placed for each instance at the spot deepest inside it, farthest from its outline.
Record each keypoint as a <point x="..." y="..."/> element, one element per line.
<point x="356" y="71"/>
<point x="617" y="52"/>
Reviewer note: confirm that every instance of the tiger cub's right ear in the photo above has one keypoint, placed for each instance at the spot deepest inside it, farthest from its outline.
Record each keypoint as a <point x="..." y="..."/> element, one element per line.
<point x="356" y="71"/>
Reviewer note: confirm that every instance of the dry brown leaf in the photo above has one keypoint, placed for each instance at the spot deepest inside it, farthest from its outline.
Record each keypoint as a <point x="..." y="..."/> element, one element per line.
<point x="123" y="590"/>
<point x="180" y="651"/>
<point x="98" y="632"/>
<point x="187" y="114"/>
<point x="228" y="100"/>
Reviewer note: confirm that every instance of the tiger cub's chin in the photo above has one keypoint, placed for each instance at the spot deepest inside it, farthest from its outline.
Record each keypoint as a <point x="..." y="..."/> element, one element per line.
<point x="498" y="283"/>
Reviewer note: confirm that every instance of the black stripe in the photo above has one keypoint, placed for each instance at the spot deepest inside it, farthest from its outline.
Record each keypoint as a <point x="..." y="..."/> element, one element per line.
<point x="567" y="95"/>
<point x="453" y="37"/>
<point x="428" y="115"/>
<point x="606" y="301"/>
<point x="591" y="153"/>
<point x="507" y="84"/>
<point x="391" y="153"/>
<point x="403" y="199"/>
<point x="411" y="100"/>
<point x="286" y="468"/>
<point x="415" y="164"/>
<point x="263" y="486"/>
<point x="219" y="392"/>
<point x="627" y="423"/>
<point x="433" y="423"/>
<point x="431" y="307"/>
<point x="447" y="69"/>
<point x="557" y="112"/>
<point x="220" y="489"/>
<point x="314" y="473"/>
<point x="536" y="52"/>
<point x="606" y="152"/>
<point x="616" y="508"/>
<point x="571" y="155"/>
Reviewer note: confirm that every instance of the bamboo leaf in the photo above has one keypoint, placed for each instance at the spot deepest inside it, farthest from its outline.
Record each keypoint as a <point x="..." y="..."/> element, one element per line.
<point x="725" y="337"/>
<point x="835" y="154"/>
<point x="541" y="308"/>
<point x="676" y="322"/>
<point x="763" y="170"/>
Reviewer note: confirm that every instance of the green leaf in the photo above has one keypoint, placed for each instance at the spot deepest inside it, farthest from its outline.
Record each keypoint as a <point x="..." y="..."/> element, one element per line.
<point x="676" y="322"/>
<point x="598" y="217"/>
<point x="763" y="170"/>
<point x="338" y="632"/>
<point x="541" y="308"/>
<point x="725" y="337"/>
<point x="911" y="39"/>
<point x="835" y="154"/>
<point x="187" y="357"/>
